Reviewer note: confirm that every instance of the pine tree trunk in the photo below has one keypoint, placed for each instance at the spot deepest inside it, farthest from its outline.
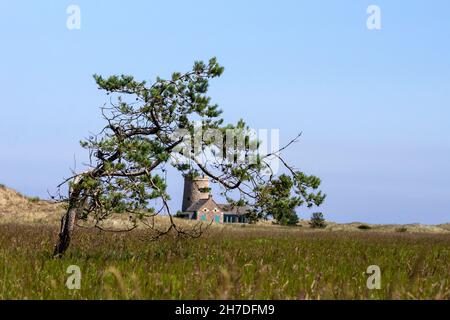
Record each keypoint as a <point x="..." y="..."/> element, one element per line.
<point x="65" y="234"/>
<point x="76" y="204"/>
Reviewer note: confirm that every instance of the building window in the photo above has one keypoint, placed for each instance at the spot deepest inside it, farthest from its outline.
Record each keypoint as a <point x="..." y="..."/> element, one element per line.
<point x="203" y="217"/>
<point x="217" y="218"/>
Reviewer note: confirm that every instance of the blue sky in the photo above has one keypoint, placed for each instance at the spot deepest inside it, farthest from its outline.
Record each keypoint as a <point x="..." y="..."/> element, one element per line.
<point x="373" y="106"/>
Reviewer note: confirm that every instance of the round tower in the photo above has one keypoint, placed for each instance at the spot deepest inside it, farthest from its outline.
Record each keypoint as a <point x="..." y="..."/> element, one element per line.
<point x="195" y="189"/>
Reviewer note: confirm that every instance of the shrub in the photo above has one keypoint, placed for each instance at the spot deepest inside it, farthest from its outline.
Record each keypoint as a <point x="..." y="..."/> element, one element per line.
<point x="179" y="214"/>
<point x="364" y="227"/>
<point x="34" y="199"/>
<point x="401" y="229"/>
<point x="317" y="220"/>
<point x="286" y="218"/>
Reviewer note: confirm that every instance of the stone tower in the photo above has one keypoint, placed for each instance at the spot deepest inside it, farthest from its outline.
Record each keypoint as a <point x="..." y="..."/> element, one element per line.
<point x="192" y="190"/>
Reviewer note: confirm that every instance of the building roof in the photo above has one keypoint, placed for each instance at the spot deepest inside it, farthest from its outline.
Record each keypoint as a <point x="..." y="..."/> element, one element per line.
<point x="225" y="207"/>
<point x="237" y="210"/>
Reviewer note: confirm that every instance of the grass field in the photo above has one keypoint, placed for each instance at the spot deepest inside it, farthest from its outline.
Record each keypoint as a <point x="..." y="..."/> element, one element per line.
<point x="231" y="262"/>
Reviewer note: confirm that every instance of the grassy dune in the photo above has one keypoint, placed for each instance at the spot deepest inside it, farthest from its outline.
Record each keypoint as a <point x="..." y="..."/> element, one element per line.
<point x="231" y="262"/>
<point x="19" y="209"/>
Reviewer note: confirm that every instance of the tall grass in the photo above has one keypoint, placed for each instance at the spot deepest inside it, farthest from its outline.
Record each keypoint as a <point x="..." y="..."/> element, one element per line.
<point x="230" y="263"/>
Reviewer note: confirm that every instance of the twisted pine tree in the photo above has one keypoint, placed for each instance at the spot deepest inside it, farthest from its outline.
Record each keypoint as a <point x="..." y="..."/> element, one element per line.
<point x="142" y="136"/>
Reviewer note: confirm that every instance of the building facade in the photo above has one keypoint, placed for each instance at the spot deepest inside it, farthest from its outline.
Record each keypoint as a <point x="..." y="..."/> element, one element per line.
<point x="198" y="204"/>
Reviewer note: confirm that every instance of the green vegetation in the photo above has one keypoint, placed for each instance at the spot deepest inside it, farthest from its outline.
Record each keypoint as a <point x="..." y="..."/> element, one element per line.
<point x="317" y="221"/>
<point x="255" y="262"/>
<point x="34" y="199"/>
<point x="275" y="198"/>
<point x="364" y="227"/>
